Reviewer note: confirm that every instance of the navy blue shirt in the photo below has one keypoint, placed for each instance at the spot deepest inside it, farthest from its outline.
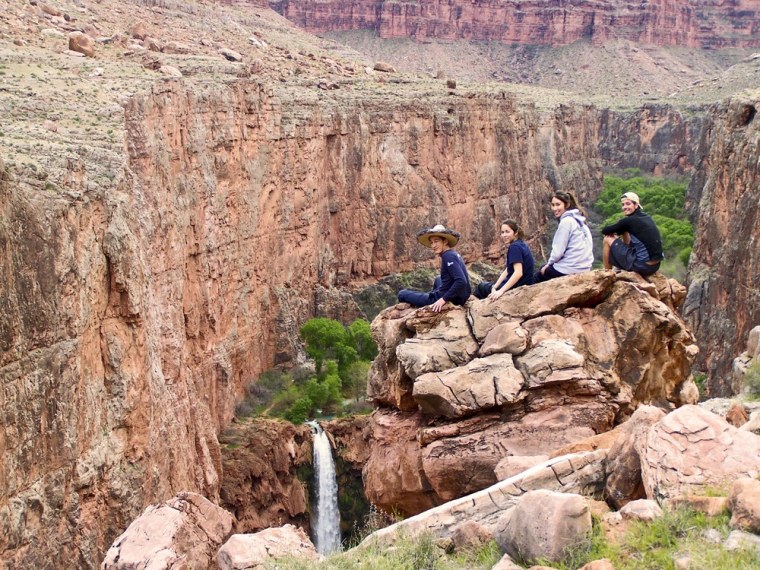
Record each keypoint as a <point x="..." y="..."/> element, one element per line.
<point x="519" y="252"/>
<point x="455" y="283"/>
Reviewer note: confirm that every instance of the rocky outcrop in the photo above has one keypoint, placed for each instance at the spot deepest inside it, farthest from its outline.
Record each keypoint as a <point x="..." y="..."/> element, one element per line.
<point x="540" y="368"/>
<point x="184" y="532"/>
<point x="724" y="272"/>
<point x="261" y="460"/>
<point x="661" y="22"/>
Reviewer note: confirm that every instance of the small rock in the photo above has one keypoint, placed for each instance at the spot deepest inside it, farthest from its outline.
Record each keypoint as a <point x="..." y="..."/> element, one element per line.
<point x="451" y="84"/>
<point x="176" y="48"/>
<point x="73" y="53"/>
<point x="50" y="126"/>
<point x="737" y="415"/>
<point x="97" y="72"/>
<point x="152" y="44"/>
<point x="82" y="43"/>
<point x="712" y="535"/>
<point x="384" y="67"/>
<point x="138" y="30"/>
<point x="641" y="509"/>
<point x="51" y="10"/>
<point x="170" y="71"/>
<point x="682" y="563"/>
<point x="740" y="539"/>
<point x="53" y="33"/>
<point x="231" y="55"/>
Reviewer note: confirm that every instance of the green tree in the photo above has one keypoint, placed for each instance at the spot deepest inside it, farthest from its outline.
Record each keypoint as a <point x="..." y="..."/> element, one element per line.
<point x="360" y="335"/>
<point x="323" y="337"/>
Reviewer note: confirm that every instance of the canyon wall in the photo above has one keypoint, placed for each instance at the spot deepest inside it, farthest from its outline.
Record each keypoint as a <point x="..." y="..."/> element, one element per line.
<point x="135" y="314"/>
<point x="723" y="303"/>
<point x="713" y="24"/>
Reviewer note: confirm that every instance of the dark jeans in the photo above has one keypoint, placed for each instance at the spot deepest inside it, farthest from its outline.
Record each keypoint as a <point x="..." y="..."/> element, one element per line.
<point x="420" y="299"/>
<point x="549" y="273"/>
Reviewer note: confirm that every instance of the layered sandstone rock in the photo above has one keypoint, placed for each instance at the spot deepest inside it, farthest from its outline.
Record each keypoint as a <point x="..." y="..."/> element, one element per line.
<point x="260" y="461"/>
<point x="661" y="22"/>
<point x="724" y="273"/>
<point x="136" y="313"/>
<point x="184" y="532"/>
<point x="569" y="359"/>
<point x="691" y="449"/>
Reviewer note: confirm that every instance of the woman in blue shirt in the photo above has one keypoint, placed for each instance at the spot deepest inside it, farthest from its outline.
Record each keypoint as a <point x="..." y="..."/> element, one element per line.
<point x="453" y="284"/>
<point x="519" y="264"/>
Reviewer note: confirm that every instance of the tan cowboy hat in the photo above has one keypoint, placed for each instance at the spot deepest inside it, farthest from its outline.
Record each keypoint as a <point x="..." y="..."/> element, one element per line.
<point x="450" y="236"/>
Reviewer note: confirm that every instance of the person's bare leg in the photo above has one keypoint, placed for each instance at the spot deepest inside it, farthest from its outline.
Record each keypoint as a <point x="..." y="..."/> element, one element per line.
<point x="606" y="251"/>
<point x="626" y="237"/>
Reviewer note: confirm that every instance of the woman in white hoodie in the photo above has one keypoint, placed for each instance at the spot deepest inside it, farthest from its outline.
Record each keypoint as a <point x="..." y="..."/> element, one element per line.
<point x="572" y="247"/>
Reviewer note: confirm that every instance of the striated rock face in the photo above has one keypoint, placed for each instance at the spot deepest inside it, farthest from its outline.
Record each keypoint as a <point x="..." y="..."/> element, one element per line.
<point x="261" y="460"/>
<point x="723" y="302"/>
<point x="134" y="314"/>
<point x="713" y="24"/>
<point x="565" y="360"/>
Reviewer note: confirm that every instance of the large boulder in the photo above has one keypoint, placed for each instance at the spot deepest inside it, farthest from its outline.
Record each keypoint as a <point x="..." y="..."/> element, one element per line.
<point x="624" y="482"/>
<point x="542" y="367"/>
<point x="544" y="525"/>
<point x="692" y="448"/>
<point x="185" y="532"/>
<point x="259" y="550"/>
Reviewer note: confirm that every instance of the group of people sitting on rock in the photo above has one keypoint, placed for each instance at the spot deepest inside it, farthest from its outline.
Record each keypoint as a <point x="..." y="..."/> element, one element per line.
<point x="633" y="243"/>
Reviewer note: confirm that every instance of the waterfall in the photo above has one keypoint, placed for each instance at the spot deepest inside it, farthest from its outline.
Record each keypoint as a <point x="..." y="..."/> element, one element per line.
<point x="326" y="528"/>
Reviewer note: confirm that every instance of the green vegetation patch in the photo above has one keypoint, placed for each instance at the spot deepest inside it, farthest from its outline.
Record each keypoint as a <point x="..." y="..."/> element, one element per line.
<point x="337" y="386"/>
<point x="658" y="544"/>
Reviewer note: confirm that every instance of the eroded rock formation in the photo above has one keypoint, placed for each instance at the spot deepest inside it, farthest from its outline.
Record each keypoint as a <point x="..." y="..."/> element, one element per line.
<point x="723" y="303"/>
<point x="661" y="22"/>
<point x="542" y="367"/>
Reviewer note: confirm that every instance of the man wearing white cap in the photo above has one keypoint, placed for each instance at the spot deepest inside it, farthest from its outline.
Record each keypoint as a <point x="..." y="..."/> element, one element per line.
<point x="453" y="284"/>
<point x="639" y="247"/>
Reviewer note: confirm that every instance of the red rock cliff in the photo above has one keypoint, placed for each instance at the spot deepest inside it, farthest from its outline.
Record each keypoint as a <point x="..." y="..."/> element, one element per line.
<point x="723" y="303"/>
<point x="709" y="24"/>
<point x="133" y="315"/>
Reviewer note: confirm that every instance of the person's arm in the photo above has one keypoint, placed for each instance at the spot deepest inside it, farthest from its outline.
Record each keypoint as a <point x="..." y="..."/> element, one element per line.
<point x="559" y="243"/>
<point x="516" y="276"/>
<point x="619" y="227"/>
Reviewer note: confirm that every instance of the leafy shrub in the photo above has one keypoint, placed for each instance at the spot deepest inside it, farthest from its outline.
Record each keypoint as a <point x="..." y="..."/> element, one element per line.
<point x="752" y="380"/>
<point x="341" y="355"/>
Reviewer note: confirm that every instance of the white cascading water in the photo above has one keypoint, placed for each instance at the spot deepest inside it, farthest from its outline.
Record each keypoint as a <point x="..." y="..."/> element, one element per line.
<point x="327" y="524"/>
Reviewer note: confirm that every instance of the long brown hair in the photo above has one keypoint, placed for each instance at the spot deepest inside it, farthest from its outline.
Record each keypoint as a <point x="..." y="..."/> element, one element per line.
<point x="570" y="201"/>
<point x="515" y="227"/>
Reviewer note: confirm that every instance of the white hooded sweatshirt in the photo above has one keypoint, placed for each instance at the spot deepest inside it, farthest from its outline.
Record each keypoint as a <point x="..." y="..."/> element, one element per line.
<point x="572" y="247"/>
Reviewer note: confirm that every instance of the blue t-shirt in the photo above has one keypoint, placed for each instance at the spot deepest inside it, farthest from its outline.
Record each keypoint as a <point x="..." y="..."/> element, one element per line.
<point x="519" y="252"/>
<point x="455" y="283"/>
<point x="638" y="246"/>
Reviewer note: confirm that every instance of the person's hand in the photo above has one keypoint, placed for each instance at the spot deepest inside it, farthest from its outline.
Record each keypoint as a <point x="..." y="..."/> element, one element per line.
<point x="496" y="294"/>
<point x="543" y="269"/>
<point x="438" y="305"/>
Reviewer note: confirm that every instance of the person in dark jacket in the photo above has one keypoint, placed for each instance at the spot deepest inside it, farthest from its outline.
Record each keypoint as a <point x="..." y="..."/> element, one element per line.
<point x="633" y="243"/>
<point x="519" y="264"/>
<point x="453" y="284"/>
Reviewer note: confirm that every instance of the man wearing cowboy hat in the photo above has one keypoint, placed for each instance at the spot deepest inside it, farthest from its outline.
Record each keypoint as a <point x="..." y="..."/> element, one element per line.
<point x="639" y="248"/>
<point x="453" y="284"/>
